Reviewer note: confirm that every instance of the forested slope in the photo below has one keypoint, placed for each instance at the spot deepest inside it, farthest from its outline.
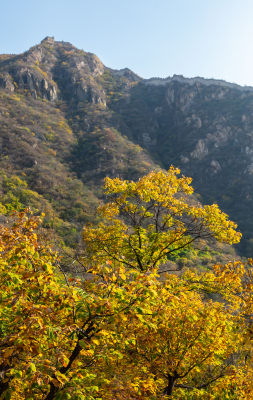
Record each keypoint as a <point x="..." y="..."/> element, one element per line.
<point x="67" y="121"/>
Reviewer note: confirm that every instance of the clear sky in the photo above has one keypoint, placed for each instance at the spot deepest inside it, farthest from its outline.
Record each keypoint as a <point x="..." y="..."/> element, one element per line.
<point x="209" y="38"/>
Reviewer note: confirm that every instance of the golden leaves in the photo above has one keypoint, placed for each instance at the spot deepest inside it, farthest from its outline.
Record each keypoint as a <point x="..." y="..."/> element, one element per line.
<point x="122" y="332"/>
<point x="147" y="221"/>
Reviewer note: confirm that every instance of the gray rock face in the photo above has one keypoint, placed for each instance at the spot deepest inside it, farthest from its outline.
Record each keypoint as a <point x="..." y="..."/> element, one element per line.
<point x="6" y="82"/>
<point x="48" y="39"/>
<point x="35" y="82"/>
<point x="205" y="127"/>
<point x="198" y="81"/>
<point x="54" y="70"/>
<point x="201" y="150"/>
<point x="84" y="93"/>
<point x="215" y="166"/>
<point x="77" y="85"/>
<point x="126" y="73"/>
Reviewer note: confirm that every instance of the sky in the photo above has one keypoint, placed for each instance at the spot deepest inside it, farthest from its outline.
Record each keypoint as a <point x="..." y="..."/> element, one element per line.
<point x="208" y="38"/>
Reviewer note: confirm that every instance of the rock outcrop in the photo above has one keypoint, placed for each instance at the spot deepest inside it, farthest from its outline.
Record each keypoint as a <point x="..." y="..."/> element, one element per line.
<point x="55" y="70"/>
<point x="122" y="125"/>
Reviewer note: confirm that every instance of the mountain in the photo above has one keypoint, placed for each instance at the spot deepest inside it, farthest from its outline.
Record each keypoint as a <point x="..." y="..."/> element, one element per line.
<point x="67" y="121"/>
<point x="57" y="136"/>
<point x="205" y="127"/>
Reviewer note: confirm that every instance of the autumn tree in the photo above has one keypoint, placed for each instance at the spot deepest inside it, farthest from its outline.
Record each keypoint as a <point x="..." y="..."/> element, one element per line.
<point x="54" y="329"/>
<point x="37" y="314"/>
<point x="183" y="343"/>
<point x="119" y="331"/>
<point x="145" y="222"/>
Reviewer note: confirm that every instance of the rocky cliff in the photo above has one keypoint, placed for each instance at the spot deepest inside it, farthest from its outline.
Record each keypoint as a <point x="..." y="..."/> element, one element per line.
<point x="205" y="128"/>
<point x="66" y="121"/>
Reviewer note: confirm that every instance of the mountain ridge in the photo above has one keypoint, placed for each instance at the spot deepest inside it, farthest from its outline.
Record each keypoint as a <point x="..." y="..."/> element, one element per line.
<point x="64" y="113"/>
<point x="49" y="40"/>
<point x="196" y="80"/>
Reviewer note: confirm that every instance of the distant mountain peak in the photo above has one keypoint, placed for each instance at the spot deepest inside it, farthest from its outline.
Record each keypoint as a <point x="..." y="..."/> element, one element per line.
<point x="59" y="101"/>
<point x="195" y="80"/>
<point x="48" y="39"/>
<point x="127" y="73"/>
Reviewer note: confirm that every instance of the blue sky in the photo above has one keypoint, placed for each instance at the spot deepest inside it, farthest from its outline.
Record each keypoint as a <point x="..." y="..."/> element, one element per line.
<point x="209" y="38"/>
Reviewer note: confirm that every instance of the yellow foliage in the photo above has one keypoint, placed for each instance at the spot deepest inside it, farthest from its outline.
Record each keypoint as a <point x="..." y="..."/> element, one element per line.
<point x="122" y="332"/>
<point x="145" y="222"/>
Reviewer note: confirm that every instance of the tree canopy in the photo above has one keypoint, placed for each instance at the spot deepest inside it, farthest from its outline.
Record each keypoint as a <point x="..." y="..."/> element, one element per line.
<point x="119" y="331"/>
<point x="147" y="221"/>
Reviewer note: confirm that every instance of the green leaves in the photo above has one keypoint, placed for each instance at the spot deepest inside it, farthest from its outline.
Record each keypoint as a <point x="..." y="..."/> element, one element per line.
<point x="122" y="332"/>
<point x="32" y="368"/>
<point x="147" y="222"/>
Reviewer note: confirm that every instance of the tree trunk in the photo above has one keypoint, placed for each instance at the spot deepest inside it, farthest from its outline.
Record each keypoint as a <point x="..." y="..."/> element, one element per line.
<point x="52" y="392"/>
<point x="54" y="389"/>
<point x="3" y="387"/>
<point x="171" y="382"/>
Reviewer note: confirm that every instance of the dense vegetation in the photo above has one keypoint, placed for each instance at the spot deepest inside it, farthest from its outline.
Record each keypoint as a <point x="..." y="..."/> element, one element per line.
<point x="147" y="301"/>
<point x="67" y="121"/>
<point x="126" y="328"/>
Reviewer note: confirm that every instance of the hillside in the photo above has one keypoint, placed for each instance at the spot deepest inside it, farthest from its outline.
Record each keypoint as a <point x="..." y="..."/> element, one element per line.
<point x="204" y="127"/>
<point x="57" y="139"/>
<point x="67" y="121"/>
